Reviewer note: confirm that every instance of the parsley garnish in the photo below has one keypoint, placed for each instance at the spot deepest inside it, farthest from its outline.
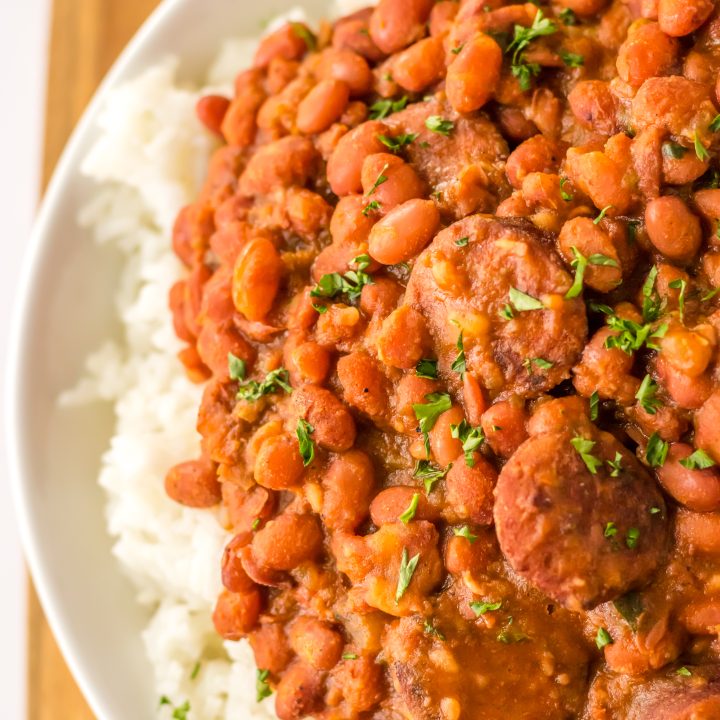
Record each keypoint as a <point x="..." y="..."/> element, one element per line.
<point x="459" y="365"/>
<point x="349" y="656"/>
<point x="373" y="205"/>
<point x="470" y="437"/>
<point x="656" y="451"/>
<point x="305" y="35"/>
<point x="594" y="405"/>
<point x="262" y="687"/>
<point x="429" y="474"/>
<point x="572" y="60"/>
<point x="632" y="537"/>
<point x="255" y="523"/>
<point x="349" y="284"/>
<point x="427" y="369"/>
<point x="427" y="413"/>
<point x="464" y="532"/>
<point x="381" y="178"/>
<point x="430" y="629"/>
<point x="480" y="608"/>
<point x="523" y="302"/>
<point x="382" y="108"/>
<point x="602" y="638"/>
<point x="522" y="37"/>
<point x="397" y="143"/>
<point x="409" y="513"/>
<point x="539" y="362"/>
<point x="195" y="671"/>
<point x="568" y="17"/>
<point x="274" y="381"/>
<point x="610" y="530"/>
<point x="673" y="150"/>
<point x="699" y="460"/>
<point x="236" y="367"/>
<point x="508" y="636"/>
<point x="507" y="312"/>
<point x="631" y="336"/>
<point x="179" y="712"/>
<point x="715" y="124"/>
<point x="439" y="125"/>
<point x="602" y="214"/>
<point x="462" y="242"/>
<point x="580" y="264"/>
<point x="307" y="447"/>
<point x="615" y="465"/>
<point x="700" y="150"/>
<point x="407" y="568"/>
<point x="681" y="285"/>
<point x="646" y="396"/>
<point x="564" y="194"/>
<point x="652" y="305"/>
<point x="458" y="49"/>
<point x="683" y="671"/>
<point x="584" y="447"/>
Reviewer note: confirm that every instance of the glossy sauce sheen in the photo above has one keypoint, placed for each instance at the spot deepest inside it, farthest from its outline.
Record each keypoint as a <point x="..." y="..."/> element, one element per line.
<point x="452" y="287"/>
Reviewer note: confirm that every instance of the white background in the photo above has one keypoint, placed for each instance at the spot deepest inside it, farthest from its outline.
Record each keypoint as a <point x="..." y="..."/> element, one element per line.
<point x="24" y="28"/>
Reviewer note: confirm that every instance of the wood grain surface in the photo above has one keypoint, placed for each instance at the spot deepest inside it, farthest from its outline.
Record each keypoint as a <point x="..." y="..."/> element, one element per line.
<point x="86" y="37"/>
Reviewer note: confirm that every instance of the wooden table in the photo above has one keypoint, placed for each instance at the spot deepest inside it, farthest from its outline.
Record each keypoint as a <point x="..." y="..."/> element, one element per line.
<point x="87" y="36"/>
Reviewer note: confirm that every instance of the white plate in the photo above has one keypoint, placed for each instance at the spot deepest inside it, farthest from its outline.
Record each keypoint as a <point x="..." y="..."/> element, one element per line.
<point x="65" y="310"/>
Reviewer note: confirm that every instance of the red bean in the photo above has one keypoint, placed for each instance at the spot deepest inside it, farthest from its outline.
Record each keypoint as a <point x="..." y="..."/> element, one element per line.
<point x="538" y="154"/>
<point x="672" y="228"/>
<point x="194" y="483"/>
<point x="445" y="448"/>
<point x="421" y="65"/>
<point x="404" y="232"/>
<point x="236" y="614"/>
<point x="469" y="490"/>
<point x="593" y="105"/>
<point x="322" y="106"/>
<point x="702" y="617"/>
<point x="256" y="278"/>
<point x="348" y="487"/>
<point x="316" y="642"/>
<point x="403" y="338"/>
<point x="400" y="184"/>
<point x="234" y="577"/>
<point x="504" y="426"/>
<point x="299" y="692"/>
<point x="278" y="465"/>
<point x="474" y="75"/>
<point x="287" y="541"/>
<point x="697" y="490"/>
<point x="333" y="423"/>
<point x="700" y="532"/>
<point x="311" y="362"/>
<point x="349" y="67"/>
<point x="392" y="502"/>
<point x="707" y="426"/>
<point x="344" y="167"/>
<point x="380" y="298"/>
<point x="682" y="17"/>
<point x="647" y="52"/>
<point x="211" y="110"/>
<point x="287" y="42"/>
<point x="396" y="23"/>
<point x="364" y="384"/>
<point x="270" y="647"/>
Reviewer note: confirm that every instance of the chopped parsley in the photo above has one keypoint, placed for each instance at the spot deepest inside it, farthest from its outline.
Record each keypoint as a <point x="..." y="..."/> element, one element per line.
<point x="464" y="532"/>
<point x="655" y="510"/>
<point x="580" y="264"/>
<point x="602" y="214"/>
<point x="610" y="530"/>
<point x="430" y="629"/>
<point x="522" y="302"/>
<point x="602" y="638"/>
<point x="195" y="671"/>
<point x="307" y="447"/>
<point x="714" y="126"/>
<point x="427" y="413"/>
<point x="381" y="178"/>
<point x="274" y="381"/>
<point x="508" y="635"/>
<point x="568" y="17"/>
<point x="409" y="513"/>
<point x="673" y="150"/>
<point x="543" y="364"/>
<point x="429" y="473"/>
<point x="262" y="687"/>
<point x="632" y="537"/>
<point x="459" y="364"/>
<point x="349" y="656"/>
<point x="349" y="284"/>
<point x="462" y="242"/>
<point x="699" y="460"/>
<point x="700" y="150"/>
<point x="656" y="451"/>
<point x="372" y="206"/>
<point x="594" y="405"/>
<point x="507" y="312"/>
<point x="647" y="396"/>
<point x="630" y="607"/>
<point x="710" y="294"/>
<point x="397" y="143"/>
<point x="179" y="712"/>
<point x="382" y="108"/>
<point x="480" y="608"/>
<point x="683" y="671"/>
<point x="631" y="336"/>
<point x="407" y="569"/>
<point x="681" y="285"/>
<point x="572" y="60"/>
<point x="470" y="437"/>
<point x="427" y="369"/>
<point x="458" y="49"/>
<point x="439" y="125"/>
<point x="255" y="523"/>
<point x="522" y="37"/>
<point x="652" y="304"/>
<point x="564" y="194"/>
<point x="615" y="465"/>
<point x="236" y="367"/>
<point x="305" y="35"/>
<point x="583" y="447"/>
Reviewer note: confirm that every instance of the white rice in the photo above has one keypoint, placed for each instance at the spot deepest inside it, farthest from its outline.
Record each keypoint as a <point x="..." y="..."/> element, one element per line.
<point x="149" y="161"/>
